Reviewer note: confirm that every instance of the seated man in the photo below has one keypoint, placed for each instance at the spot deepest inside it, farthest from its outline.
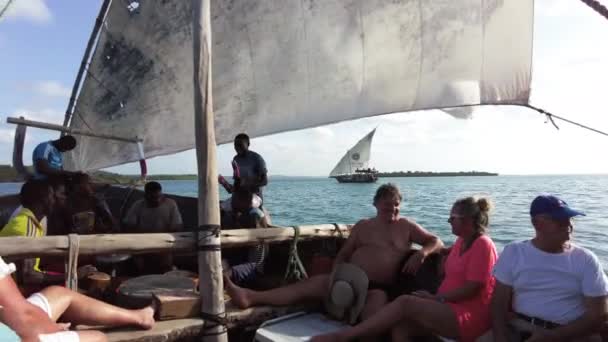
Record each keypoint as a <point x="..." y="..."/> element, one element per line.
<point x="557" y="290"/>
<point x="242" y="213"/>
<point x="89" y="212"/>
<point x="377" y="245"/>
<point x="47" y="158"/>
<point x="57" y="217"/>
<point x="37" y="201"/>
<point x="35" y="319"/>
<point x="154" y="214"/>
<point x="242" y="210"/>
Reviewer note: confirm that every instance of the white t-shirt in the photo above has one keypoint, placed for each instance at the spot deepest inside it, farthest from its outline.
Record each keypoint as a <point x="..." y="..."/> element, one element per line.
<point x="550" y="286"/>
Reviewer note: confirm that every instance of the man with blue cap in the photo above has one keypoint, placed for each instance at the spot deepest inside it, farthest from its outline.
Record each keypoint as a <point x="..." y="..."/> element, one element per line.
<point x="547" y="288"/>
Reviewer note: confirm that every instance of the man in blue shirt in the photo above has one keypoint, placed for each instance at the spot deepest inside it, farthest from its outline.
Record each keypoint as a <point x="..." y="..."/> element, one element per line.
<point x="48" y="159"/>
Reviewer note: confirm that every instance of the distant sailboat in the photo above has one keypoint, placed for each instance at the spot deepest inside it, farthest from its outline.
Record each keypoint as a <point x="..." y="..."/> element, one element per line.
<point x="353" y="167"/>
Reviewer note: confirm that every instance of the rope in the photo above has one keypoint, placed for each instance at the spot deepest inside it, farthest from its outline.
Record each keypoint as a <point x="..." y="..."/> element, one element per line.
<point x="337" y="230"/>
<point x="597" y="7"/>
<point x="217" y="320"/>
<point x="74" y="247"/>
<point x="295" y="268"/>
<point x="204" y="232"/>
<point x="551" y="116"/>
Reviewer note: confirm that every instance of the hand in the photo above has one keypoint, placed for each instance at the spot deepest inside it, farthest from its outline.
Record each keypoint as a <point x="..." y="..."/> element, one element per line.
<point x="331" y="337"/>
<point x="413" y="263"/>
<point x="543" y="336"/>
<point x="424" y="294"/>
<point x="84" y="271"/>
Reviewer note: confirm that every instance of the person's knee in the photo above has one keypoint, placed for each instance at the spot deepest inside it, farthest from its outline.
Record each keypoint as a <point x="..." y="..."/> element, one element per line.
<point x="54" y="291"/>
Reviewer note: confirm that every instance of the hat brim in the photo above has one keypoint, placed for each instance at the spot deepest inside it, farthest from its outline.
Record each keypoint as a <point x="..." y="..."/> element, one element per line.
<point x="566" y="213"/>
<point x="358" y="280"/>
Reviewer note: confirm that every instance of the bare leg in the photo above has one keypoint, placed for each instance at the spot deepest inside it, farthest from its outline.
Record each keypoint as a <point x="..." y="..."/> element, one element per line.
<point x="430" y="315"/>
<point x="79" y="309"/>
<point x="406" y="329"/>
<point x="375" y="300"/>
<point x="313" y="288"/>
<point x="92" y="336"/>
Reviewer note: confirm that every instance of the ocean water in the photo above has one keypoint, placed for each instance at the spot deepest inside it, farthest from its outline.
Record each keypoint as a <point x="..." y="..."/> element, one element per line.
<point x="305" y="200"/>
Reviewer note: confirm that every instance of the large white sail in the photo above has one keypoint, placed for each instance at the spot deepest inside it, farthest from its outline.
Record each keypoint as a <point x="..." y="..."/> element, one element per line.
<point x="281" y="65"/>
<point x="355" y="158"/>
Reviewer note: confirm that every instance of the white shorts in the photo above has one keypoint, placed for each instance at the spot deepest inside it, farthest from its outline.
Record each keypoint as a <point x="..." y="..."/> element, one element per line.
<point x="40" y="301"/>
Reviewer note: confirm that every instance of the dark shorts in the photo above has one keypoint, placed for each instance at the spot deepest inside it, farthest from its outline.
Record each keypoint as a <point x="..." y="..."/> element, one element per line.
<point x="427" y="278"/>
<point x="244" y="274"/>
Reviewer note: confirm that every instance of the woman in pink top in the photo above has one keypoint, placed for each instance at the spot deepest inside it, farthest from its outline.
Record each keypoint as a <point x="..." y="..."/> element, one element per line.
<point x="461" y="308"/>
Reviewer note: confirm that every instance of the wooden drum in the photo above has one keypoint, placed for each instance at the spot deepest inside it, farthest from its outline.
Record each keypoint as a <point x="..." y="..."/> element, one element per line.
<point x="136" y="293"/>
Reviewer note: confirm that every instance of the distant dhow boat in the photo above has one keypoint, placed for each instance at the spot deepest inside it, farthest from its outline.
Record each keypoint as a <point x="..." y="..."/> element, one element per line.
<point x="353" y="167"/>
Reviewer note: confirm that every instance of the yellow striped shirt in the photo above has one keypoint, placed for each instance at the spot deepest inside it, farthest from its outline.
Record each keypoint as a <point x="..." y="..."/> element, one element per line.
<point x="26" y="224"/>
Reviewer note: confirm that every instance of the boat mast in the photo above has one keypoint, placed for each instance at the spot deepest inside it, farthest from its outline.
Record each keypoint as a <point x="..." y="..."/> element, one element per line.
<point x="83" y="63"/>
<point x="211" y="287"/>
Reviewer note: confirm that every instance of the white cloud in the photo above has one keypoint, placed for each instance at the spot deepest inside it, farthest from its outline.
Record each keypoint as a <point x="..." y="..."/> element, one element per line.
<point x="555" y="8"/>
<point x="51" y="89"/>
<point x="31" y="10"/>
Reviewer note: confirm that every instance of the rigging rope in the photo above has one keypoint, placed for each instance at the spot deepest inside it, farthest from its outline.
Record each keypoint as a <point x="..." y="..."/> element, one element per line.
<point x="597" y="7"/>
<point x="295" y="268"/>
<point x="551" y="116"/>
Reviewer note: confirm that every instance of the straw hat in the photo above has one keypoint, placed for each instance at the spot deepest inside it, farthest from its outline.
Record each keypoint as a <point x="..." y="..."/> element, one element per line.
<point x="347" y="293"/>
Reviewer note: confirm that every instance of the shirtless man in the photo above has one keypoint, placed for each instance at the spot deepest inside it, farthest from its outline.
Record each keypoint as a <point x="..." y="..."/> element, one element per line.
<point x="377" y="245"/>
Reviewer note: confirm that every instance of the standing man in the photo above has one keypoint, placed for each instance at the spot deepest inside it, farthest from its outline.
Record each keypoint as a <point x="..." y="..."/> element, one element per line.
<point x="48" y="159"/>
<point x="556" y="289"/>
<point x="250" y="171"/>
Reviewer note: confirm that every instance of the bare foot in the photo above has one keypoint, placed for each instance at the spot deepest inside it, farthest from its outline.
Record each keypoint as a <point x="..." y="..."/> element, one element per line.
<point x="239" y="295"/>
<point x="146" y="317"/>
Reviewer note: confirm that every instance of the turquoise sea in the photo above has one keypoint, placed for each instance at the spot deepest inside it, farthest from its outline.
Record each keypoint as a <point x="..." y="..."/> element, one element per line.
<point x="310" y="200"/>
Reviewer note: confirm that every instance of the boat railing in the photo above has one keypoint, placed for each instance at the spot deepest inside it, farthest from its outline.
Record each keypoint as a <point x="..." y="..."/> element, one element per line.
<point x="74" y="245"/>
<point x="101" y="244"/>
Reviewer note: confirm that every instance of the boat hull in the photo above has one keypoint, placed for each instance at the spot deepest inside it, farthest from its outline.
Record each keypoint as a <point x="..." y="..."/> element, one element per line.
<point x="357" y="178"/>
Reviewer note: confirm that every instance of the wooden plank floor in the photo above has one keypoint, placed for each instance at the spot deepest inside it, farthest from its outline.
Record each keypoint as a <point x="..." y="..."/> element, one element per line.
<point x="187" y="328"/>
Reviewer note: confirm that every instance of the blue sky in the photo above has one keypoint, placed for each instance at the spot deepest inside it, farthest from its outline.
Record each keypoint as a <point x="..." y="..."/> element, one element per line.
<point x="42" y="43"/>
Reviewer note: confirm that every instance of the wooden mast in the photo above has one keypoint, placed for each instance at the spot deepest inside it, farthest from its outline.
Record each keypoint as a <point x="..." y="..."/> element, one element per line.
<point x="211" y="284"/>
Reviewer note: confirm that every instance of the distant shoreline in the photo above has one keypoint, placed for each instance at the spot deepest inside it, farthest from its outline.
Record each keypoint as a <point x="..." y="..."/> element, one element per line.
<point x="434" y="174"/>
<point x="9" y="175"/>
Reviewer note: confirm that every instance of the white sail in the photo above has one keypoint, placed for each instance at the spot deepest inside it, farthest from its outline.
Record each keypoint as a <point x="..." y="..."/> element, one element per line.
<point x="355" y="158"/>
<point x="281" y="65"/>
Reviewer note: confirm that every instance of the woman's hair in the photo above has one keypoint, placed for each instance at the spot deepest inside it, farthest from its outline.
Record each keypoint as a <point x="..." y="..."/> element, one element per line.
<point x="478" y="209"/>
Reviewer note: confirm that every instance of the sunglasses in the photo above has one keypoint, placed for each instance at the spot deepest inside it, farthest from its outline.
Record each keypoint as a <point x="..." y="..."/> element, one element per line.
<point x="453" y="217"/>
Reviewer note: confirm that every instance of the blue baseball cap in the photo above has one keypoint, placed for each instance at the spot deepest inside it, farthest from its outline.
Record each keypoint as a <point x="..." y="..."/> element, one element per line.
<point x="554" y="207"/>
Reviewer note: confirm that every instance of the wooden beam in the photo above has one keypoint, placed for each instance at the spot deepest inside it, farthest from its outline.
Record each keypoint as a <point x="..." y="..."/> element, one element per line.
<point x="211" y="284"/>
<point x="145" y="243"/>
<point x="54" y="127"/>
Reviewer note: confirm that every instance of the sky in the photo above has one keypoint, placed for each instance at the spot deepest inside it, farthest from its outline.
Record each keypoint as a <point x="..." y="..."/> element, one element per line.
<point x="42" y="43"/>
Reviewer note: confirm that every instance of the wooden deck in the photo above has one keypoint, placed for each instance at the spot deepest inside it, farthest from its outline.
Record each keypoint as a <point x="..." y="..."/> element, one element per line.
<point x="175" y="330"/>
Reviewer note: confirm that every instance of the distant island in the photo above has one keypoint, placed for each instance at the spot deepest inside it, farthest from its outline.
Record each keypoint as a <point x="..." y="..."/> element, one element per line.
<point x="434" y="174"/>
<point x="9" y="174"/>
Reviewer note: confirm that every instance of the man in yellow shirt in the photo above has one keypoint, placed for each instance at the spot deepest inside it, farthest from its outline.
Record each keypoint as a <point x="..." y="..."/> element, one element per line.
<point x="37" y="200"/>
